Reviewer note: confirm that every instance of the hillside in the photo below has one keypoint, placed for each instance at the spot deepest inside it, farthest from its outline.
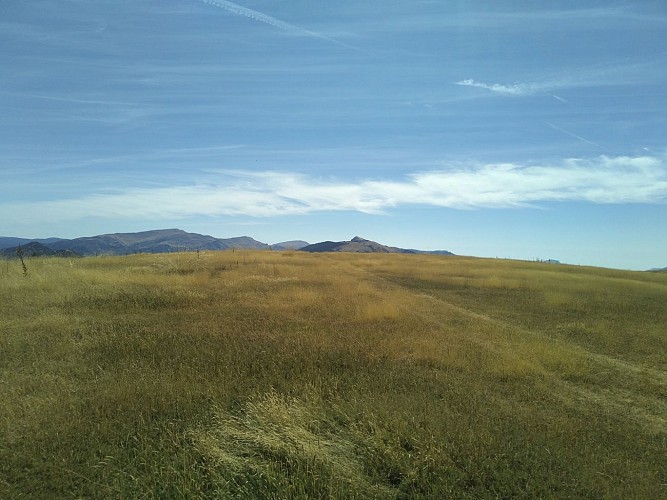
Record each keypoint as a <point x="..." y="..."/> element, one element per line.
<point x="361" y="245"/>
<point x="177" y="240"/>
<point x="342" y="375"/>
<point x="155" y="241"/>
<point x="10" y="242"/>
<point x="289" y="245"/>
<point x="158" y="241"/>
<point x="35" y="249"/>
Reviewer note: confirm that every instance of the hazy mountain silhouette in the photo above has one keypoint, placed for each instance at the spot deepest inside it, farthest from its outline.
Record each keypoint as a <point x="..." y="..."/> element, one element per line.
<point x="157" y="241"/>
<point x="10" y="242"/>
<point x="177" y="240"/>
<point x="362" y="245"/>
<point x="35" y="249"/>
<point x="289" y="245"/>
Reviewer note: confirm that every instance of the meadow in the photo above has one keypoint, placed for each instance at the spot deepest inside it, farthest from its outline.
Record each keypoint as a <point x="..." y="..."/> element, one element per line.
<point x="293" y="375"/>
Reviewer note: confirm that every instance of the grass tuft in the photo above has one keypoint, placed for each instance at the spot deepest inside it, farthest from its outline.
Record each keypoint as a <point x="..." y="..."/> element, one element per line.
<point x="281" y="446"/>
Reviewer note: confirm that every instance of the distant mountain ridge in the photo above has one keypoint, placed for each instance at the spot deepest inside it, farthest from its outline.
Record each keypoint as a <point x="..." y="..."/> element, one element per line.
<point x="155" y="241"/>
<point x="290" y="245"/>
<point x="177" y="240"/>
<point x="9" y="242"/>
<point x="35" y="249"/>
<point x="362" y="245"/>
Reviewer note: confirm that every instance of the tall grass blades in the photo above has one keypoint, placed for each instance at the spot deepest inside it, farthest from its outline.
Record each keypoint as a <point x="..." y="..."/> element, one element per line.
<point x="295" y="375"/>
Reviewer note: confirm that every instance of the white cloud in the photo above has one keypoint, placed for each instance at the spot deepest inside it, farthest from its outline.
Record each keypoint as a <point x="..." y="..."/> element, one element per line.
<point x="604" y="180"/>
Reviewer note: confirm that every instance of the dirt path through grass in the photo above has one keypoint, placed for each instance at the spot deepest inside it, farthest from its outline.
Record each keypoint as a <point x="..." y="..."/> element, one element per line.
<point x="646" y="408"/>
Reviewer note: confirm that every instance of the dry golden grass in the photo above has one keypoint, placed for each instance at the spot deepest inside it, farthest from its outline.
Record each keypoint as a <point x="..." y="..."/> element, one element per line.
<point x="276" y="375"/>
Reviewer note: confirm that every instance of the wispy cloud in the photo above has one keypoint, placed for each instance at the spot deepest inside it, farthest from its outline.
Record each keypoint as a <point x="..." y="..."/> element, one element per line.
<point x="530" y="88"/>
<point x="601" y="75"/>
<point x="73" y="100"/>
<point x="255" y="15"/>
<point x="447" y="15"/>
<point x="512" y="89"/>
<point x="602" y="180"/>
<point x="572" y="134"/>
<point x="607" y="14"/>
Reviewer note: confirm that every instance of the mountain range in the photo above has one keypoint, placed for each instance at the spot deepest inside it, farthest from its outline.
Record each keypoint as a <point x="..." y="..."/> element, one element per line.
<point x="177" y="240"/>
<point x="36" y="249"/>
<point x="157" y="241"/>
<point x="362" y="245"/>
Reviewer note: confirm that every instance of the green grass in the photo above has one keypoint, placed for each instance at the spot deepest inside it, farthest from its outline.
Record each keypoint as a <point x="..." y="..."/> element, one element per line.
<point x="290" y="375"/>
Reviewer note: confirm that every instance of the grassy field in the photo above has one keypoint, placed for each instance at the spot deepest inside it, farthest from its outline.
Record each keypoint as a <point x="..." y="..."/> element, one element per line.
<point x="293" y="375"/>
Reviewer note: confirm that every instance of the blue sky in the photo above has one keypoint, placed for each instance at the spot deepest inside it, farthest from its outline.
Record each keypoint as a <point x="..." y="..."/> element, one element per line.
<point x="513" y="129"/>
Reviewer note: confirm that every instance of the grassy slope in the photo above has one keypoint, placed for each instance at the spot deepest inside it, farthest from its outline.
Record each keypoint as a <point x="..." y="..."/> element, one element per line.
<point x="274" y="375"/>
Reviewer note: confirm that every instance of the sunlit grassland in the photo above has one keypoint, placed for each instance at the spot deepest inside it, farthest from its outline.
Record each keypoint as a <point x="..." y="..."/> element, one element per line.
<point x="293" y="375"/>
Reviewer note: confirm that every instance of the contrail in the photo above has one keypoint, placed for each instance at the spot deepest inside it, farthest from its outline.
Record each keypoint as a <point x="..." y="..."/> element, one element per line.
<point x="239" y="10"/>
<point x="577" y="136"/>
<point x="252" y="14"/>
